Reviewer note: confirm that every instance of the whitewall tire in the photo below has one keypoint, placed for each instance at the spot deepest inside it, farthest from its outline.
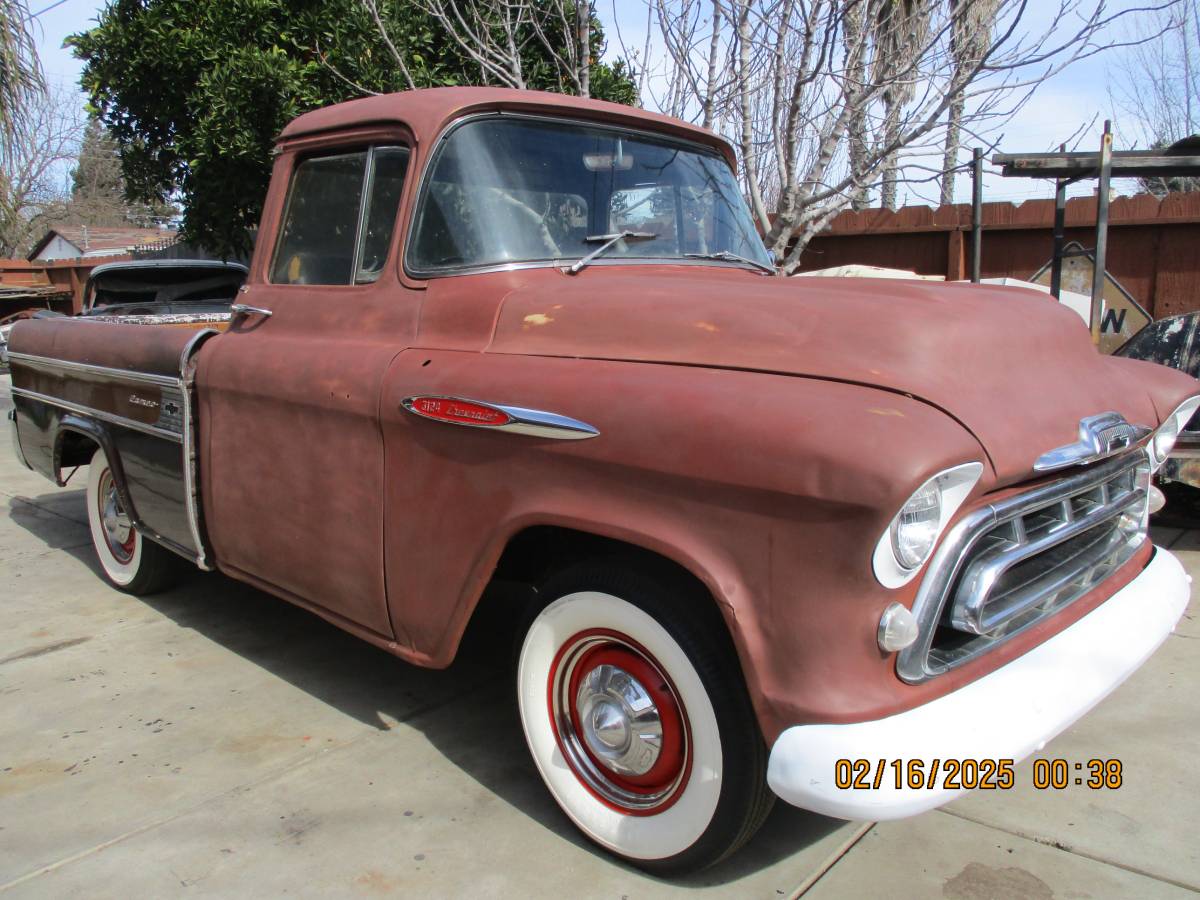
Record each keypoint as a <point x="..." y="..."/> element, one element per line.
<point x="638" y="721"/>
<point x="129" y="561"/>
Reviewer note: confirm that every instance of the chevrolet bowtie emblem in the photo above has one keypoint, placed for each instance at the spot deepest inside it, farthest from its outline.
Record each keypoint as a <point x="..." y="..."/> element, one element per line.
<point x="1099" y="437"/>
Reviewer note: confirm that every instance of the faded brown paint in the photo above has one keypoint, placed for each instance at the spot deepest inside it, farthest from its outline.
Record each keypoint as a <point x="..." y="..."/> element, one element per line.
<point x="760" y="432"/>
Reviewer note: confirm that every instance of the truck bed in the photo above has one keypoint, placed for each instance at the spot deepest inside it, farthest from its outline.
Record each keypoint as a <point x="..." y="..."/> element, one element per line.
<point x="127" y="388"/>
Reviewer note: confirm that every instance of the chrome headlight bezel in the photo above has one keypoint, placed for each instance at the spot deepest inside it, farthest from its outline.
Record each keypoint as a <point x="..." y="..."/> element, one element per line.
<point x="953" y="486"/>
<point x="1162" y="441"/>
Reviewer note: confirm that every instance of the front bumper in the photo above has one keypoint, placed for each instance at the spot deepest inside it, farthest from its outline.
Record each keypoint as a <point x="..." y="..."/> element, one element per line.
<point x="1008" y="714"/>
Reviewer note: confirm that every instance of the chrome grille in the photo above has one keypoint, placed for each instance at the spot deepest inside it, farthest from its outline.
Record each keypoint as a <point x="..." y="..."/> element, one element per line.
<point x="1011" y="563"/>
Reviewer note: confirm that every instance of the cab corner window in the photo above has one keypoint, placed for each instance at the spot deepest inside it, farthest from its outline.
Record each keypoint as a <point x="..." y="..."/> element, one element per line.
<point x="329" y="235"/>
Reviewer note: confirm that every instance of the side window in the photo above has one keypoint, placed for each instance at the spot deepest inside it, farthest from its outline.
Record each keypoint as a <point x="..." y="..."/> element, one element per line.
<point x="328" y="235"/>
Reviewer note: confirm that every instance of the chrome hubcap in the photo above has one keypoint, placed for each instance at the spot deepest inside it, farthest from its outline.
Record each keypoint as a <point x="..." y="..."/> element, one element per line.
<point x="621" y="724"/>
<point x="118" y="530"/>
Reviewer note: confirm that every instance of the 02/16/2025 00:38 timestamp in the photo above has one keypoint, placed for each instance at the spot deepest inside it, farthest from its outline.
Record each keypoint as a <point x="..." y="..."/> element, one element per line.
<point x="972" y="774"/>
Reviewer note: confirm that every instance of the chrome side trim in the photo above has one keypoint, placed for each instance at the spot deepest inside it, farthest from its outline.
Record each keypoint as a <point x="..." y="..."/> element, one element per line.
<point x="1099" y="437"/>
<point x="187" y="371"/>
<point x="912" y="663"/>
<point x="521" y="420"/>
<point x="49" y="364"/>
<point x="539" y="423"/>
<point x="111" y="418"/>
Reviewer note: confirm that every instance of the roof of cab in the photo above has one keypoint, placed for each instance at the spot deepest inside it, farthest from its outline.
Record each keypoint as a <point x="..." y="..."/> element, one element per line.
<point x="427" y="111"/>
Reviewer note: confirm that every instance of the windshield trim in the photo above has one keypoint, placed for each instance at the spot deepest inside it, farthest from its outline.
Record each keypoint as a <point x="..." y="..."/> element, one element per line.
<point x="440" y="142"/>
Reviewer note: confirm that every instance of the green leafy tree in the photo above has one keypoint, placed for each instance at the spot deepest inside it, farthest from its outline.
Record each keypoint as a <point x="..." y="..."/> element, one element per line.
<point x="195" y="91"/>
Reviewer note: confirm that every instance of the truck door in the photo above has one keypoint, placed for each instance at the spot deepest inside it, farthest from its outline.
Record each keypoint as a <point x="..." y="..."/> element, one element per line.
<point x="291" y="453"/>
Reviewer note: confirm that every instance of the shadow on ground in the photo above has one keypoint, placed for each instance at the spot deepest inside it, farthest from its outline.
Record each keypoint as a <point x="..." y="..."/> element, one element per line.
<point x="468" y="711"/>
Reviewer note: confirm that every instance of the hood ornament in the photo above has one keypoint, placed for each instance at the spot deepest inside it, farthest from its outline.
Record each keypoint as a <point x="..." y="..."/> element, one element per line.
<point x="1099" y="437"/>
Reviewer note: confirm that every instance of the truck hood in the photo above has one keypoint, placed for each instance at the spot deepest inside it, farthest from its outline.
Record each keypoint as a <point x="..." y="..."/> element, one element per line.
<point x="1013" y="366"/>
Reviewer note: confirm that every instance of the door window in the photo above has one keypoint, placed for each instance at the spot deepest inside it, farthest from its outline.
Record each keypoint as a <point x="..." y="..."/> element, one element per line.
<point x="329" y="235"/>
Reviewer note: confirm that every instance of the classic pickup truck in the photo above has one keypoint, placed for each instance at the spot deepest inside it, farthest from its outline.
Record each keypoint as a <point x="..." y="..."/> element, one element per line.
<point x="837" y="541"/>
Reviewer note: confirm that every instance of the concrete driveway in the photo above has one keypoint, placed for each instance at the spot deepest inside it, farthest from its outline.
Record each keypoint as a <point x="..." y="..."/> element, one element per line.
<point x="214" y="740"/>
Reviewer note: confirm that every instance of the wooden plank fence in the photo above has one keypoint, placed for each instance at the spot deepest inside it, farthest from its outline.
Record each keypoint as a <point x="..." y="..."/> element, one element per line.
<point x="1152" y="246"/>
<point x="55" y="285"/>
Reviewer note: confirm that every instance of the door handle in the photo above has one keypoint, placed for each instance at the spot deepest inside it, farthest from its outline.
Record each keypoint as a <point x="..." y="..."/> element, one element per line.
<point x="244" y="309"/>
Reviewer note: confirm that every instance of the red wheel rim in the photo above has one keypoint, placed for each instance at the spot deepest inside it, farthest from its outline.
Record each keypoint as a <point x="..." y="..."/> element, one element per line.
<point x="619" y="722"/>
<point x="119" y="533"/>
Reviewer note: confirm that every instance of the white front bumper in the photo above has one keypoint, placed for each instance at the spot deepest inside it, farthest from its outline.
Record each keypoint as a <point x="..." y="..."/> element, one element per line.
<point x="1007" y="714"/>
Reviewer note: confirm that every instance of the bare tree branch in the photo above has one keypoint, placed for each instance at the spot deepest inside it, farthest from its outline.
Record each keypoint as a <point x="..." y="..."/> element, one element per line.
<point x="827" y="98"/>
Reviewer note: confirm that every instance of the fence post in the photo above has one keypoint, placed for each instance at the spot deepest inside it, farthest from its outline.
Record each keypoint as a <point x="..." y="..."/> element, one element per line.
<point x="1060" y="231"/>
<point x="1101" y="231"/>
<point x="976" y="213"/>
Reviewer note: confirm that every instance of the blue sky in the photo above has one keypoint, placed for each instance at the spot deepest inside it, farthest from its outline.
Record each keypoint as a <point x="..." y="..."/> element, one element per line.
<point x="1061" y="105"/>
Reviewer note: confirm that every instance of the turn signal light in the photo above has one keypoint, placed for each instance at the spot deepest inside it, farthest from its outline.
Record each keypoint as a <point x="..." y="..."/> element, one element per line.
<point x="897" y="628"/>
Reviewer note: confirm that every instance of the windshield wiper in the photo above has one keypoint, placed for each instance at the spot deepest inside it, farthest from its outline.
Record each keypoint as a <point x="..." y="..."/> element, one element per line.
<point x="730" y="256"/>
<point x="609" y="240"/>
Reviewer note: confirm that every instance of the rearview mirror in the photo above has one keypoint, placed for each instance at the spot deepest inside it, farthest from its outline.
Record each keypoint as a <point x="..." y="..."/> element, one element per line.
<point x="605" y="162"/>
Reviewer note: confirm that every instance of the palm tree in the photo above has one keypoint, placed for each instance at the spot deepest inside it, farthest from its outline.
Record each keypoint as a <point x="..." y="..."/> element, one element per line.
<point x="20" y="71"/>
<point x="901" y="30"/>
<point x="971" y="23"/>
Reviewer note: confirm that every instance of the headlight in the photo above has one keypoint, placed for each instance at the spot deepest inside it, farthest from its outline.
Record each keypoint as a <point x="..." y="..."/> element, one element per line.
<point x="1163" y="441"/>
<point x="915" y="528"/>
<point x="911" y="535"/>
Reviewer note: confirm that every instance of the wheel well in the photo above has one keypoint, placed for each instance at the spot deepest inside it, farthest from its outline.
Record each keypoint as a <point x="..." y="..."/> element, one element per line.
<point x="75" y="449"/>
<point x="533" y="554"/>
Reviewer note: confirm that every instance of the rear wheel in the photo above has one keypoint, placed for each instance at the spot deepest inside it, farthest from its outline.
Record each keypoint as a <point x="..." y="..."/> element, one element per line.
<point x="129" y="561"/>
<point x="636" y="715"/>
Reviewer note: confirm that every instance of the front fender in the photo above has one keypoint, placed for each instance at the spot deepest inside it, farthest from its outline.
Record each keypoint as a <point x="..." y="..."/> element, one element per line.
<point x="772" y="490"/>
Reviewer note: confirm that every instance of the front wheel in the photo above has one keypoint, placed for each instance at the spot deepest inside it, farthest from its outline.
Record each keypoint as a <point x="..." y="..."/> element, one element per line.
<point x="129" y="561"/>
<point x="638" y="720"/>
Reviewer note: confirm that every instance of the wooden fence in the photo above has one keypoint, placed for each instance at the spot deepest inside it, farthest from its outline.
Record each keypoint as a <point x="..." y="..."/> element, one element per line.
<point x="1152" y="244"/>
<point x="55" y="285"/>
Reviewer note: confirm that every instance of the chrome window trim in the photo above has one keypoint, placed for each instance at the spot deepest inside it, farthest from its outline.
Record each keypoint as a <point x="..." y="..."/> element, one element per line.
<point x="111" y="418"/>
<point x="946" y="563"/>
<point x="50" y="364"/>
<point x="440" y="141"/>
<point x="364" y="206"/>
<point x="564" y="262"/>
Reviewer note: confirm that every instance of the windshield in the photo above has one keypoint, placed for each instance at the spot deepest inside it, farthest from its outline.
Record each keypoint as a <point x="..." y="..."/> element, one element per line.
<point x="514" y="190"/>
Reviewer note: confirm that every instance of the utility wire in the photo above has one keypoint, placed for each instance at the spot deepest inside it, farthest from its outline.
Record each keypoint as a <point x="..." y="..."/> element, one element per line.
<point x="54" y="5"/>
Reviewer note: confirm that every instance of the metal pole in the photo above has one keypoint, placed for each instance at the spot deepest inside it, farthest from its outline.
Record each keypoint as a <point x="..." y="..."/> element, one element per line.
<point x="1060" y="229"/>
<point x="976" y="212"/>
<point x="1101" y="231"/>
